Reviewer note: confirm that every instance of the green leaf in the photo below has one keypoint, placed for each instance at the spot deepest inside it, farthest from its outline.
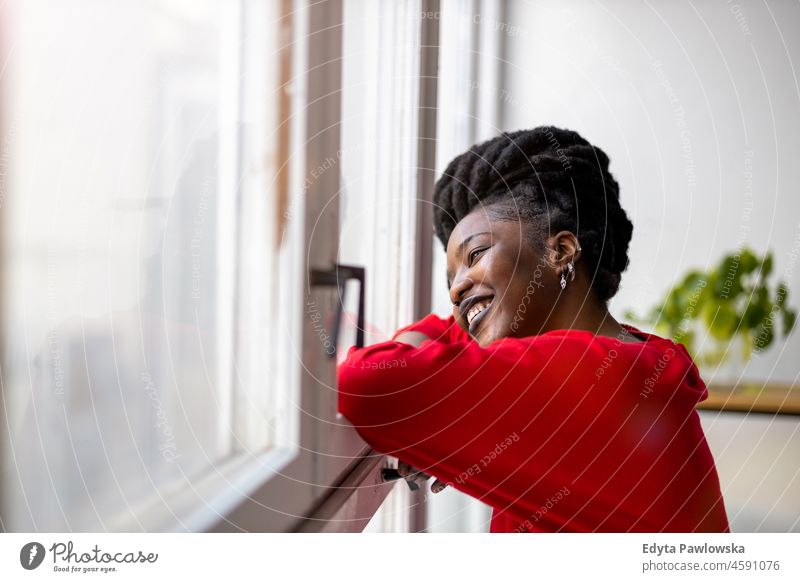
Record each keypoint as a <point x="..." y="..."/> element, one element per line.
<point x="753" y="314"/>
<point x="763" y="336"/>
<point x="687" y="339"/>
<point x="721" y="320"/>
<point x="748" y="262"/>
<point x="726" y="282"/>
<point x="766" y="266"/>
<point x="782" y="293"/>
<point x="789" y="319"/>
<point x="671" y="312"/>
<point x="693" y="280"/>
<point x="757" y="309"/>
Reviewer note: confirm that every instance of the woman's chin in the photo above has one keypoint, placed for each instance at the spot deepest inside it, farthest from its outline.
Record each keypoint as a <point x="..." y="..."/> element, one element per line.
<point x="486" y="336"/>
<point x="479" y="338"/>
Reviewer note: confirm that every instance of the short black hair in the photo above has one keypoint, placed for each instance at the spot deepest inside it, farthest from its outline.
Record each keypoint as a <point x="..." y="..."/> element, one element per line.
<point x="553" y="180"/>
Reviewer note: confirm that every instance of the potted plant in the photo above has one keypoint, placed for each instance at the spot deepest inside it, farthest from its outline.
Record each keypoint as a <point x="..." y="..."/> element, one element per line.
<point x="729" y="309"/>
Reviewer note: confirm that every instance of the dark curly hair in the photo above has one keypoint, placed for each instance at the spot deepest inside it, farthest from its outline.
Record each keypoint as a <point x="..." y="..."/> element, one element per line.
<point x="553" y="180"/>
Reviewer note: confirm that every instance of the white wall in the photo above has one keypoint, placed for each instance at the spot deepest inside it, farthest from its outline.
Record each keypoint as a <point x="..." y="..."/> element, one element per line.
<point x="756" y="460"/>
<point x="685" y="98"/>
<point x="678" y="95"/>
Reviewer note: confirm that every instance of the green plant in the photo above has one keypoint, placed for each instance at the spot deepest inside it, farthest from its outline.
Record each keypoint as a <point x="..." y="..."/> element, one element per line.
<point x="732" y="300"/>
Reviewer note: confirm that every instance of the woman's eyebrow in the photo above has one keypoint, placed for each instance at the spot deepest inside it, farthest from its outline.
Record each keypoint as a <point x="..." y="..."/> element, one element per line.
<point x="466" y="240"/>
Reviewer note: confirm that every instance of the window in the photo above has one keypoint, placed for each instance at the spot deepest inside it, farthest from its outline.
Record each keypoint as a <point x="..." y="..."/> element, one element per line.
<point x="380" y="87"/>
<point x="469" y="69"/>
<point x="176" y="172"/>
<point x="142" y="273"/>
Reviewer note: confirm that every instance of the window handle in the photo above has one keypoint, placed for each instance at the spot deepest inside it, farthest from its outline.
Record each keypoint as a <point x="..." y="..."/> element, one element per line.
<point x="389" y="474"/>
<point x="338" y="277"/>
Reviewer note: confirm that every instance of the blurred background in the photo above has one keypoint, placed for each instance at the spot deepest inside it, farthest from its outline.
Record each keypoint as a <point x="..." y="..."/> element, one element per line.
<point x="173" y="173"/>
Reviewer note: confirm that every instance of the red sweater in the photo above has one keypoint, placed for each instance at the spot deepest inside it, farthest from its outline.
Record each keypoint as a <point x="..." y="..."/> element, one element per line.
<point x="563" y="431"/>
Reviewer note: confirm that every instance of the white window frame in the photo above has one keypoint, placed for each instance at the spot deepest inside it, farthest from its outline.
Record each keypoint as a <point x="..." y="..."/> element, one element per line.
<point x="470" y="65"/>
<point x="361" y="492"/>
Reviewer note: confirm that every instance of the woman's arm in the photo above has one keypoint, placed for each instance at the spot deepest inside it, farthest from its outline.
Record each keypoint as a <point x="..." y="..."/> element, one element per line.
<point x="526" y="420"/>
<point x="436" y="327"/>
<point x="458" y="411"/>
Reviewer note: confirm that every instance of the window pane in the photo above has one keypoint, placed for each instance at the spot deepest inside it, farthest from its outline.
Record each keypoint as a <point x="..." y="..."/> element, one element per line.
<point x="264" y="408"/>
<point x="120" y="254"/>
<point x="392" y="515"/>
<point x="379" y="157"/>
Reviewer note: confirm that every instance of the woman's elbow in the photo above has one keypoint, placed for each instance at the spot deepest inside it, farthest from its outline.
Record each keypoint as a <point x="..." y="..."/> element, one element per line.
<point x="349" y="391"/>
<point x="370" y="397"/>
<point x="358" y="390"/>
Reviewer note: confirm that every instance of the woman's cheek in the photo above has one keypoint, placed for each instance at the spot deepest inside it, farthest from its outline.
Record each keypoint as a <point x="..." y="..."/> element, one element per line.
<point x="496" y="327"/>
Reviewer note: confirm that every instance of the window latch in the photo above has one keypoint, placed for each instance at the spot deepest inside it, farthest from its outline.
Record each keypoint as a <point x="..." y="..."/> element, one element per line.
<point x="338" y="277"/>
<point x="390" y="474"/>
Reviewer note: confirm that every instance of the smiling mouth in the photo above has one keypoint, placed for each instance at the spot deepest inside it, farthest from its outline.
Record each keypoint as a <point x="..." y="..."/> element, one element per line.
<point x="477" y="314"/>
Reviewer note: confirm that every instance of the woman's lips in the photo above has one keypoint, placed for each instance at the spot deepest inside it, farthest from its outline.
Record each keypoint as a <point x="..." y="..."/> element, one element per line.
<point x="473" y="327"/>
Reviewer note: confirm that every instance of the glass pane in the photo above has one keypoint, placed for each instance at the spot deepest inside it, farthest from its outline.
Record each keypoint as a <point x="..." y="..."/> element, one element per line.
<point x="120" y="254"/>
<point x="392" y="515"/>
<point x="378" y="159"/>
<point x="263" y="409"/>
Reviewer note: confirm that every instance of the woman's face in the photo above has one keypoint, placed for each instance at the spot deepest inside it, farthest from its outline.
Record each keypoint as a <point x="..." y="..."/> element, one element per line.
<point x="503" y="287"/>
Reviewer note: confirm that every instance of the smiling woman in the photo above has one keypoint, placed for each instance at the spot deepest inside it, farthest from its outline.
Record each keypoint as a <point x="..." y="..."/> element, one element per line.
<point x="530" y="395"/>
<point x="510" y="211"/>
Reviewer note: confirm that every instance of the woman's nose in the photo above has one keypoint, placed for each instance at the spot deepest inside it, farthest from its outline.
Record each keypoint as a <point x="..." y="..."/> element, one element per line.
<point x="459" y="287"/>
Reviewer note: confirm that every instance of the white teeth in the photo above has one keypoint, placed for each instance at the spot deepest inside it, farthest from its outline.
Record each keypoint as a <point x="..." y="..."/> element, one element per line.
<point x="476" y="309"/>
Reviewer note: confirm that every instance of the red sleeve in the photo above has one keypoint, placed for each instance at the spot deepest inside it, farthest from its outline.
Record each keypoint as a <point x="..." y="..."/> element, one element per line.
<point x="470" y="416"/>
<point x="438" y="329"/>
<point x="540" y="426"/>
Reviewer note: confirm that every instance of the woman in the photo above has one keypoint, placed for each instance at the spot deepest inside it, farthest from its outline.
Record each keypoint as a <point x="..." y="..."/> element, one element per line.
<point x="531" y="396"/>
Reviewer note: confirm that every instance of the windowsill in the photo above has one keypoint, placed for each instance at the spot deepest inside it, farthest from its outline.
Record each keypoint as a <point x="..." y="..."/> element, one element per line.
<point x="195" y="507"/>
<point x="353" y="501"/>
<point x="753" y="397"/>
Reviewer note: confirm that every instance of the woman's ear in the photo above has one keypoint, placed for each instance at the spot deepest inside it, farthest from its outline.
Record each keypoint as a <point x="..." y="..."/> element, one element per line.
<point x="563" y="247"/>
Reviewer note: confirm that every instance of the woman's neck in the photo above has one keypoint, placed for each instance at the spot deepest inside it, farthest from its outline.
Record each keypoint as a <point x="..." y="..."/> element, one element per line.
<point x="590" y="315"/>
